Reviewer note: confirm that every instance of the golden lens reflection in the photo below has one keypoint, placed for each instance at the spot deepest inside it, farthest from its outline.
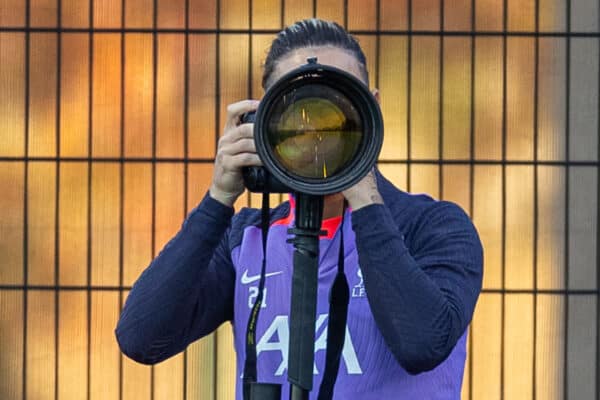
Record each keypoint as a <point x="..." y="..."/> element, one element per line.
<point x="314" y="138"/>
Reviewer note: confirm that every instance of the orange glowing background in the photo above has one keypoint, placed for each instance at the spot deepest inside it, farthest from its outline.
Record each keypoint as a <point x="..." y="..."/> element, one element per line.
<point x="107" y="137"/>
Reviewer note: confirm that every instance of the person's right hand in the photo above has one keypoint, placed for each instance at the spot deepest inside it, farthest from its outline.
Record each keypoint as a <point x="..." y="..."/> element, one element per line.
<point x="235" y="150"/>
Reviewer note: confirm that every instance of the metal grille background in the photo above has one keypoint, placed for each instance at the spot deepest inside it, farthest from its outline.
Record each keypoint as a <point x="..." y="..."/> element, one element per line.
<point x="109" y="117"/>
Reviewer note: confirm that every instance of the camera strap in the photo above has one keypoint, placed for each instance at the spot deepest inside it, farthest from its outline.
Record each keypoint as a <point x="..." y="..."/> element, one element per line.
<point x="250" y="370"/>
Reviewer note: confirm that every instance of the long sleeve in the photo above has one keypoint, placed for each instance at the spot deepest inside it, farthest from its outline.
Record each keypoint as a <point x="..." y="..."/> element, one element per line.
<point x="185" y="293"/>
<point x="423" y="298"/>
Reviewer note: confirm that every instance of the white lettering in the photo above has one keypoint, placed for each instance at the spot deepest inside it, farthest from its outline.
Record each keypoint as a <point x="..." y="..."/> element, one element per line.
<point x="280" y="327"/>
<point x="359" y="289"/>
<point x="276" y="338"/>
<point x="348" y="352"/>
<point x="253" y="294"/>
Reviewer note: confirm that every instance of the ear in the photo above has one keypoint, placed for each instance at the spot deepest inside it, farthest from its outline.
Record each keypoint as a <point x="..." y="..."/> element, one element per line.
<point x="375" y="93"/>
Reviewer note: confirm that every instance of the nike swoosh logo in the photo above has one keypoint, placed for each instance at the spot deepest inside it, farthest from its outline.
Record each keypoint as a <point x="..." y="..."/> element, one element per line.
<point x="249" y="279"/>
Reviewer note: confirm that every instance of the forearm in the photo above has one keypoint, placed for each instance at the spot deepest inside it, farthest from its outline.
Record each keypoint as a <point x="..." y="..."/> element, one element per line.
<point x="167" y="306"/>
<point x="419" y="318"/>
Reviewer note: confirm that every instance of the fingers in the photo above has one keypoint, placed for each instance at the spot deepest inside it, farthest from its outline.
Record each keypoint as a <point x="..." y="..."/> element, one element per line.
<point x="246" y="160"/>
<point x="237" y="149"/>
<point x="245" y="145"/>
<point x="244" y="131"/>
<point x="239" y="154"/>
<point x="236" y="110"/>
<point x="235" y="162"/>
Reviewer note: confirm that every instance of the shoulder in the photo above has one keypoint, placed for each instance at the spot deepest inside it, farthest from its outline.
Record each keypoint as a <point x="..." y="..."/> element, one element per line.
<point x="420" y="215"/>
<point x="408" y="207"/>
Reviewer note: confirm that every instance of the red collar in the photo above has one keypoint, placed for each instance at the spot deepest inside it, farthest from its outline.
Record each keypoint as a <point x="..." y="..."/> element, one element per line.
<point x="330" y="224"/>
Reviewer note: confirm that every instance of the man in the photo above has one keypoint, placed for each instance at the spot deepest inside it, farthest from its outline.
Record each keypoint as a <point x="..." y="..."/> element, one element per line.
<point x="414" y="266"/>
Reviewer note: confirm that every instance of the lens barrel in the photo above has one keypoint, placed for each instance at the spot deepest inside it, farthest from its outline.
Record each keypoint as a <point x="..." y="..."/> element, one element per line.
<point x="318" y="130"/>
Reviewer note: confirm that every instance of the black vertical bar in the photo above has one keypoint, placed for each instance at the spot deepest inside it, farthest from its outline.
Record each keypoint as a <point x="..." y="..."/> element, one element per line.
<point x="280" y="196"/>
<point x="536" y="75"/>
<point x="215" y="336"/>
<point x="186" y="76"/>
<point x="441" y="106"/>
<point x="503" y="239"/>
<point x="408" y="96"/>
<point x="282" y="23"/>
<point x="154" y="110"/>
<point x="314" y="9"/>
<point x="567" y="185"/>
<point x="121" y="185"/>
<point x="25" y="201"/>
<point x="377" y="42"/>
<point x="56" y="193"/>
<point x="598" y="237"/>
<point x="346" y="14"/>
<point x="472" y="172"/>
<point x="89" y="198"/>
<point x="218" y="76"/>
<point x="249" y="77"/>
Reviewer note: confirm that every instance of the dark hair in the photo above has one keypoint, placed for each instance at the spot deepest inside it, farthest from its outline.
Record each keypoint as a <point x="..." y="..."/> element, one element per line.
<point x="309" y="33"/>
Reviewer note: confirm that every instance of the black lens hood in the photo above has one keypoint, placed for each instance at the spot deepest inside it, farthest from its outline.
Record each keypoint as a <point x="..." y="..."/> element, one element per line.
<point x="361" y="98"/>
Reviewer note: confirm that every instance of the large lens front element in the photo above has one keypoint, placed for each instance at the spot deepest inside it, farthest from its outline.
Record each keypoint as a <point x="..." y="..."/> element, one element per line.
<point x="314" y="131"/>
<point x="318" y="130"/>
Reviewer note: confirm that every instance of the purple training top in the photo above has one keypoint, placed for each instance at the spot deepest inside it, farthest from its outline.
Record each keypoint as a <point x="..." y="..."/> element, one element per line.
<point x="414" y="267"/>
<point x="368" y="369"/>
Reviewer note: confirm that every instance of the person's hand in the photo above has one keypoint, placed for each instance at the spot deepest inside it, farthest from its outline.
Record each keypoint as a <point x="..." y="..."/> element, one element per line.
<point x="235" y="150"/>
<point x="364" y="193"/>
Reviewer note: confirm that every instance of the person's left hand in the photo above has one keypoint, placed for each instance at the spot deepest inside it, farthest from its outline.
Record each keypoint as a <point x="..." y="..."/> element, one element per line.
<point x="364" y="193"/>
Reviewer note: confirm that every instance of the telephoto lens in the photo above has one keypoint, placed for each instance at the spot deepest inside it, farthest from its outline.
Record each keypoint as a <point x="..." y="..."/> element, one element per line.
<point x="318" y="130"/>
